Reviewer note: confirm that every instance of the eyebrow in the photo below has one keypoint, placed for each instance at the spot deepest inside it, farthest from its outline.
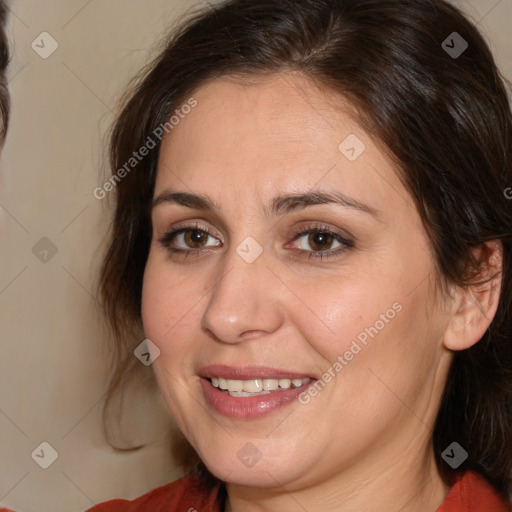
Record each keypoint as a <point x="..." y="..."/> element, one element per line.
<point x="278" y="206"/>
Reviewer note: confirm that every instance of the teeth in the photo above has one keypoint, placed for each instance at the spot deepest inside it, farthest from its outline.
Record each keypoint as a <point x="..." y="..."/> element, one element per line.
<point x="285" y="383"/>
<point x="270" y="384"/>
<point x="249" y="386"/>
<point x="243" y="393"/>
<point x="253" y="387"/>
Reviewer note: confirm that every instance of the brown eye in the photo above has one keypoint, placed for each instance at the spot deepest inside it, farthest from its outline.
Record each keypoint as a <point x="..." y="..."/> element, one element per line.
<point x="195" y="238"/>
<point x="320" y="241"/>
<point x="188" y="239"/>
<point x="317" y="241"/>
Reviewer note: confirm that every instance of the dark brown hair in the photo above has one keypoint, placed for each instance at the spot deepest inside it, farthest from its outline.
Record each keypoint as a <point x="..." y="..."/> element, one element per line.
<point x="4" y="60"/>
<point x="443" y="118"/>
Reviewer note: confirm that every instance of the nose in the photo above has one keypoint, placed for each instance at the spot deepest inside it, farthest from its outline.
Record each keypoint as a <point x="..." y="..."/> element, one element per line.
<point x="244" y="302"/>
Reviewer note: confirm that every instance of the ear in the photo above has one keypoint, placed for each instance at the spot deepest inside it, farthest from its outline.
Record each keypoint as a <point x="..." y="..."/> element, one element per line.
<point x="474" y="306"/>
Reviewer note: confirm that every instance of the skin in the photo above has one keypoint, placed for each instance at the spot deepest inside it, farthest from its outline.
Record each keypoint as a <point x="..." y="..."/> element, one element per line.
<point x="364" y="442"/>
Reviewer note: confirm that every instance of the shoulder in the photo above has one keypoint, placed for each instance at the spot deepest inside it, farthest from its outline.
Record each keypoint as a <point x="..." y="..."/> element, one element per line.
<point x="192" y="493"/>
<point x="472" y="493"/>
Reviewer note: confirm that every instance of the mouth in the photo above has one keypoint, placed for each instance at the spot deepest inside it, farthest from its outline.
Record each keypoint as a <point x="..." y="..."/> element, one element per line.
<point x="256" y="387"/>
<point x="251" y="392"/>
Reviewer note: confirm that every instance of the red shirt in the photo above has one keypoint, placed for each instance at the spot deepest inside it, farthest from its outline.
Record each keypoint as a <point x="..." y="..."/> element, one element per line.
<point x="196" y="493"/>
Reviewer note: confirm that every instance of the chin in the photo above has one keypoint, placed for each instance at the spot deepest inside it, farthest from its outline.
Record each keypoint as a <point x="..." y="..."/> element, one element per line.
<point x="263" y="477"/>
<point x="248" y="467"/>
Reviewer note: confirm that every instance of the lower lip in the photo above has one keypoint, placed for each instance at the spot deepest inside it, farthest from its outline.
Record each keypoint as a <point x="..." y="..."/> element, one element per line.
<point x="249" y="406"/>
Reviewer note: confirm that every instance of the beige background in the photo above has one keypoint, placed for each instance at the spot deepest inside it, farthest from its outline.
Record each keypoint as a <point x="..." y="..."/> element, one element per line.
<point x="53" y="369"/>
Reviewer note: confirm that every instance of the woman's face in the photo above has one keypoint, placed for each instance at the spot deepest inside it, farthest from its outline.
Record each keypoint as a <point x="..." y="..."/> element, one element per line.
<point x="298" y="254"/>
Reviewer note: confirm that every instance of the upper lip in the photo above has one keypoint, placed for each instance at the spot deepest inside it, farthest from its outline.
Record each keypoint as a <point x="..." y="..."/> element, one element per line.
<point x="249" y="372"/>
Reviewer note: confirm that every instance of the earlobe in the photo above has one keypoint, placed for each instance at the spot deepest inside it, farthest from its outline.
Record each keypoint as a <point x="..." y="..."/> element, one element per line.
<point x="475" y="306"/>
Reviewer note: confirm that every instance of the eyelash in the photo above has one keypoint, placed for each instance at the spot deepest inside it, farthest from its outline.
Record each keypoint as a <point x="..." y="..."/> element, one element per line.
<point x="168" y="238"/>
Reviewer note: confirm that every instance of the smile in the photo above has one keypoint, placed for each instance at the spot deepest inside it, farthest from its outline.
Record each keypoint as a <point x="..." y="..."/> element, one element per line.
<point x="256" y="387"/>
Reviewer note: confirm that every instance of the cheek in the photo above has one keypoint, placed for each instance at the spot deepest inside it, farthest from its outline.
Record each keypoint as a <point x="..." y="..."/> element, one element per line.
<point x="169" y="308"/>
<point x="364" y="323"/>
<point x="343" y="311"/>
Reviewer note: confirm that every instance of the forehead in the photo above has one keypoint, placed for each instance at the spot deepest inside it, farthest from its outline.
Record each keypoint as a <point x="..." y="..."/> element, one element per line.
<point x="282" y="132"/>
<point x="285" y="114"/>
